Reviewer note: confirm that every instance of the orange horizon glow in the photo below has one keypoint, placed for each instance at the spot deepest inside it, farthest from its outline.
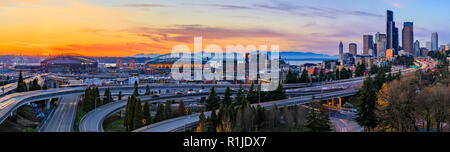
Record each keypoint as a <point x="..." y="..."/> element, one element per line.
<point x="105" y="28"/>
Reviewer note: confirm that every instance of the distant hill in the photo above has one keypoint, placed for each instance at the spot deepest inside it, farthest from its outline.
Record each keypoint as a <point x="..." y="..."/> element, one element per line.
<point x="306" y="56"/>
<point x="142" y="55"/>
<point x="285" y="55"/>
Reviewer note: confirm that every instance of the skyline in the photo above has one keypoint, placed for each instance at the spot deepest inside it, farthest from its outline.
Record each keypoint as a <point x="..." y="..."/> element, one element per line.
<point x="124" y="28"/>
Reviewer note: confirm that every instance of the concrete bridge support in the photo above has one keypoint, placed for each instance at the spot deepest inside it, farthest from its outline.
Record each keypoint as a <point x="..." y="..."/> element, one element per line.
<point x="47" y="105"/>
<point x="14" y="113"/>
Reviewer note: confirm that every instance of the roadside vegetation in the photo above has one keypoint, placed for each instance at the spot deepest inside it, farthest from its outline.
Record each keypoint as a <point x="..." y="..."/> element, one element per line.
<point x="411" y="103"/>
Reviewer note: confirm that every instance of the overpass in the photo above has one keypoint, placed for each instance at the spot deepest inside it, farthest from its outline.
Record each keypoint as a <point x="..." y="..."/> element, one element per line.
<point x="9" y="88"/>
<point x="189" y="121"/>
<point x="183" y="122"/>
<point x="93" y="120"/>
<point x="9" y="103"/>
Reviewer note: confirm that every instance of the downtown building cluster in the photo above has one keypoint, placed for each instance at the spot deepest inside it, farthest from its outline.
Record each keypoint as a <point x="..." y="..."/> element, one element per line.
<point x="382" y="47"/>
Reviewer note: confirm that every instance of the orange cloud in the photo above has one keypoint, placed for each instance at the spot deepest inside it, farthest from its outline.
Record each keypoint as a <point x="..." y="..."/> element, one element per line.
<point x="396" y="4"/>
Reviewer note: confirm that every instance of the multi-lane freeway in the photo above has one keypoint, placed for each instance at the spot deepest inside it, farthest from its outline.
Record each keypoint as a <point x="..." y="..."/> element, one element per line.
<point x="12" y="86"/>
<point x="63" y="117"/>
<point x="184" y="122"/>
<point x="11" y="102"/>
<point x="93" y="121"/>
<point x="181" y="123"/>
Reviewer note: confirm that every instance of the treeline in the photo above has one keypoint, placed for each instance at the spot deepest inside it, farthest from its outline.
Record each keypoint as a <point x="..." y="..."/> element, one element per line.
<point x="32" y="85"/>
<point x="366" y="97"/>
<point x="247" y="118"/>
<point x="442" y="68"/>
<point x="398" y="104"/>
<point x="320" y="76"/>
<point x="254" y="95"/>
<point x="138" y="115"/>
<point x="92" y="99"/>
<point x="405" y="61"/>
<point x="239" y="116"/>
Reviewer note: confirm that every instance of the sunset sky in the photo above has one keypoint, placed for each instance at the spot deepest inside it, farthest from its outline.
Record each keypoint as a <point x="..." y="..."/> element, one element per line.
<point x="128" y="27"/>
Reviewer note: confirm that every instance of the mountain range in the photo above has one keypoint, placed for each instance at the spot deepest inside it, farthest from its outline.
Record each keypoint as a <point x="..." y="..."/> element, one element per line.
<point x="286" y="55"/>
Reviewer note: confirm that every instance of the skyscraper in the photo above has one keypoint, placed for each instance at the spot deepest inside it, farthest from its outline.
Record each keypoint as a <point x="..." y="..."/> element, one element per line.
<point x="353" y="49"/>
<point x="428" y="45"/>
<point x="417" y="48"/>
<point x="381" y="45"/>
<point x="395" y="40"/>
<point x="368" y="44"/>
<point x="408" y="37"/>
<point x="341" y="51"/>
<point x="434" y="41"/>
<point x="390" y="27"/>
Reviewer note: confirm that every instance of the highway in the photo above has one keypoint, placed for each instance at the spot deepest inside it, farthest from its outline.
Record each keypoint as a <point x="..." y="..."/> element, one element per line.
<point x="12" y="86"/>
<point x="93" y="120"/>
<point x="181" y="123"/>
<point x="63" y="117"/>
<point x="344" y="125"/>
<point x="11" y="102"/>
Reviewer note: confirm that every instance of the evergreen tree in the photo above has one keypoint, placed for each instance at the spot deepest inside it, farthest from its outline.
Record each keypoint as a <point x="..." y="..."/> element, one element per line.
<point x="34" y="85"/>
<point x="360" y="70"/>
<point x="252" y="97"/>
<point x="136" y="88"/>
<point x="212" y="103"/>
<point x="138" y="115"/>
<point x="129" y="115"/>
<point x="21" y="85"/>
<point x="380" y="78"/>
<point x="374" y="69"/>
<point x="260" y="117"/>
<point x="202" y="123"/>
<point x="168" y="110"/>
<point x="338" y="75"/>
<point x="146" y="110"/>
<point x="227" y="97"/>
<point x="159" y="113"/>
<point x="366" y="104"/>
<point x="316" y="122"/>
<point x="120" y="95"/>
<point x="239" y="96"/>
<point x="202" y="100"/>
<point x="147" y="90"/>
<point x="181" y="109"/>
<point x="291" y="77"/>
<point x="321" y="75"/>
<point x="304" y="78"/>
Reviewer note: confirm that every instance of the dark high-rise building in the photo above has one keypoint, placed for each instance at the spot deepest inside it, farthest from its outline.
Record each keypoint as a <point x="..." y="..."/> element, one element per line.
<point x="380" y="40"/>
<point x="390" y="26"/>
<point x="395" y="40"/>
<point x="417" y="48"/>
<point x="341" y="51"/>
<point x="368" y="44"/>
<point x="408" y="37"/>
<point x="353" y="49"/>
<point x="434" y="41"/>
